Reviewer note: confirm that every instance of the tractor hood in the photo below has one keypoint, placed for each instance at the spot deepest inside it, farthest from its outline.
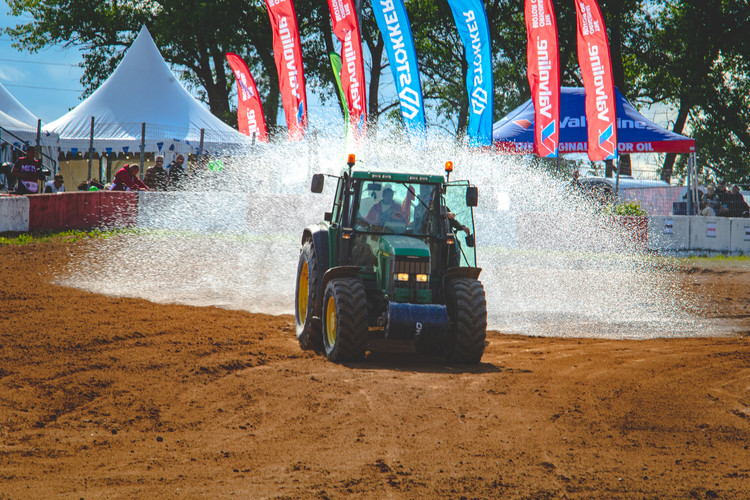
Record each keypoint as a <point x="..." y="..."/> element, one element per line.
<point x="401" y="246"/>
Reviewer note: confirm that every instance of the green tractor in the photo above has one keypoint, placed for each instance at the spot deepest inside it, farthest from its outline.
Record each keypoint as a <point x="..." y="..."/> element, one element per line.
<point x="387" y="263"/>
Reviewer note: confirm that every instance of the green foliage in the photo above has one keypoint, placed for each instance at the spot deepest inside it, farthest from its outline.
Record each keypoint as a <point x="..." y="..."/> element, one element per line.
<point x="67" y="236"/>
<point x="629" y="208"/>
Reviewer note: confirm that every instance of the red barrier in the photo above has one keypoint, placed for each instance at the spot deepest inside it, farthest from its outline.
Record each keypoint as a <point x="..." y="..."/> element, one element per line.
<point x="82" y="210"/>
<point x="79" y="210"/>
<point x="118" y="209"/>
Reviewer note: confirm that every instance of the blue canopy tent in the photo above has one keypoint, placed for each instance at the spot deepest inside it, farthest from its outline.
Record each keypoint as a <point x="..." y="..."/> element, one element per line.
<point x="635" y="132"/>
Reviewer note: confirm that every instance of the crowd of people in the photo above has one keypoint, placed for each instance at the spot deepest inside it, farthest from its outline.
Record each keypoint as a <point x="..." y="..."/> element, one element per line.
<point x="723" y="202"/>
<point x="156" y="177"/>
<point x="26" y="176"/>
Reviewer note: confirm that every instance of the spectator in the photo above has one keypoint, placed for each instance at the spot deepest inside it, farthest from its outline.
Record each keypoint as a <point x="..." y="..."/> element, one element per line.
<point x="736" y="204"/>
<point x="722" y="194"/>
<point x="177" y="173"/>
<point x="575" y="182"/>
<point x="55" y="186"/>
<point x="10" y="180"/>
<point x="710" y="202"/>
<point x="126" y="179"/>
<point x="156" y="176"/>
<point x="90" y="185"/>
<point x="28" y="171"/>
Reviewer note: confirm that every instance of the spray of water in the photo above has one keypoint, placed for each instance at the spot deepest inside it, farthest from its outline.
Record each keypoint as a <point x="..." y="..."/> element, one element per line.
<point x="553" y="264"/>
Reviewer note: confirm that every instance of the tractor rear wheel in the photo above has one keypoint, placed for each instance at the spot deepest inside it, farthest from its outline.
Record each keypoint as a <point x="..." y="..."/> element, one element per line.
<point x="308" y="332"/>
<point x="467" y="311"/>
<point x="345" y="320"/>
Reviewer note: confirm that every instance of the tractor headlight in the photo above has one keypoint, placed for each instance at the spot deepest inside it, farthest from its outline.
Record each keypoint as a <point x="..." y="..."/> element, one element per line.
<point x="402" y="277"/>
<point x="422" y="278"/>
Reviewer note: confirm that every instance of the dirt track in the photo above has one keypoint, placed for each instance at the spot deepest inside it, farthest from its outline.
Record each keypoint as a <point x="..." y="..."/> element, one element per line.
<point x="111" y="397"/>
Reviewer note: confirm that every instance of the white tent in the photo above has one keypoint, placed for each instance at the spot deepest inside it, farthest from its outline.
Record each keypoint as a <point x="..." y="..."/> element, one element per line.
<point x="142" y="89"/>
<point x="18" y="120"/>
<point x="19" y="126"/>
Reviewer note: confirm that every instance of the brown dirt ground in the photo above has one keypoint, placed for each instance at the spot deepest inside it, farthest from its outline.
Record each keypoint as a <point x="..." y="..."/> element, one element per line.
<point x="112" y="397"/>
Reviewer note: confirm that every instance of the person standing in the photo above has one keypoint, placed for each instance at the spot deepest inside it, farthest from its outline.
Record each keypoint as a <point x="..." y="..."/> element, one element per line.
<point x="177" y="174"/>
<point x="736" y="204"/>
<point x="156" y="176"/>
<point x="723" y="196"/>
<point x="710" y="202"/>
<point x="126" y="179"/>
<point x="55" y="186"/>
<point x="28" y="170"/>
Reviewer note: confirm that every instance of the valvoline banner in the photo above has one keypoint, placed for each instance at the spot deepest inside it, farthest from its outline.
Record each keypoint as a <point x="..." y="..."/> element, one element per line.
<point x="596" y="69"/>
<point x="250" y="118"/>
<point x="399" y="45"/>
<point x="346" y="29"/>
<point x="474" y="29"/>
<point x="287" y="52"/>
<point x="544" y="75"/>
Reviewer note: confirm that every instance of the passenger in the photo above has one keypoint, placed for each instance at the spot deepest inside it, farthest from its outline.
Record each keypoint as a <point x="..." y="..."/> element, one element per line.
<point x="425" y="205"/>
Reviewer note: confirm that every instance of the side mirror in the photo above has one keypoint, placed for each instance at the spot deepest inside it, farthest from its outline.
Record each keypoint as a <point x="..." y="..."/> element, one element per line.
<point x="328" y="216"/>
<point x="472" y="196"/>
<point x="470" y="240"/>
<point x="317" y="183"/>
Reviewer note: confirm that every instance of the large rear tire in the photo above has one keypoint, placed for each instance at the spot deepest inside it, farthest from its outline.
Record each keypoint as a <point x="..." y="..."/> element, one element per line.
<point x="308" y="332"/>
<point x="467" y="311"/>
<point x="345" y="320"/>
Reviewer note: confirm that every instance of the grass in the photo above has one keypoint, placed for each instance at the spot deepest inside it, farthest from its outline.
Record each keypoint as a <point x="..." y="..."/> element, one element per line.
<point x="73" y="236"/>
<point x="65" y="236"/>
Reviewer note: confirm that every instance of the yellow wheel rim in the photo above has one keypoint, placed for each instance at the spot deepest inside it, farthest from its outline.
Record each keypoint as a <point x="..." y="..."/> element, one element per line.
<point x="302" y="291"/>
<point x="331" y="321"/>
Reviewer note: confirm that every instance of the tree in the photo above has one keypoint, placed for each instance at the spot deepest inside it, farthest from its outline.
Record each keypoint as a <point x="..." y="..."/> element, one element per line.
<point x="695" y="60"/>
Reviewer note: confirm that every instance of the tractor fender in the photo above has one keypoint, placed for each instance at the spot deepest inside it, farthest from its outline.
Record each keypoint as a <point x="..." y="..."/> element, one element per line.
<point x="319" y="238"/>
<point x="338" y="272"/>
<point x="461" y="272"/>
<point x="333" y="273"/>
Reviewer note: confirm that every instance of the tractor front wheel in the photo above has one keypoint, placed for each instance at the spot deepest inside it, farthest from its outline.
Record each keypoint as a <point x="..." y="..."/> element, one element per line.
<point x="467" y="310"/>
<point x="308" y="332"/>
<point x="345" y="320"/>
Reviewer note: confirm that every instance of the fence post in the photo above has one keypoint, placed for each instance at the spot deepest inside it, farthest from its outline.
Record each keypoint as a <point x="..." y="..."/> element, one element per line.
<point x="143" y="145"/>
<point x="91" y="147"/>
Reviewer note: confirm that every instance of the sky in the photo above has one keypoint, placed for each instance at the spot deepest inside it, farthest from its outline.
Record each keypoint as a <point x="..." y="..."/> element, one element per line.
<point x="46" y="83"/>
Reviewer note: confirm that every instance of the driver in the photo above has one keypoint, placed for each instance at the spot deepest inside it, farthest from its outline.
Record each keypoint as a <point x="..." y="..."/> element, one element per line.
<point x="386" y="210"/>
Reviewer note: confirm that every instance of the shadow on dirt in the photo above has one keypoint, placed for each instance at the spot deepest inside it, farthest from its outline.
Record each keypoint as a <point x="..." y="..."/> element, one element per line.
<point x="419" y="363"/>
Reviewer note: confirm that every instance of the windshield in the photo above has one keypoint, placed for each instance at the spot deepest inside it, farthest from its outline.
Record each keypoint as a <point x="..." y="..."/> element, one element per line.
<point x="397" y="208"/>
